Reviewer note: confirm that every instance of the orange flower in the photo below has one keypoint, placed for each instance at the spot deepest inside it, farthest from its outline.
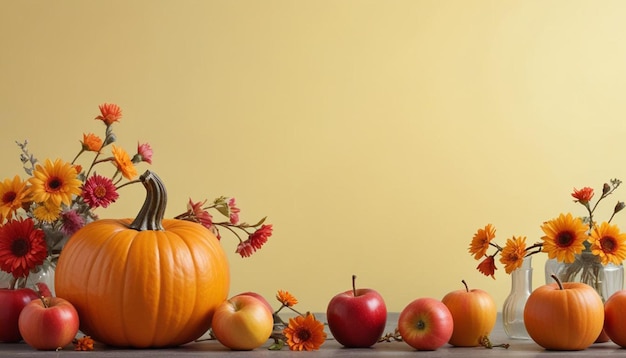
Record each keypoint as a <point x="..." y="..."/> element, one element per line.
<point x="487" y="267"/>
<point x="513" y="253"/>
<point x="286" y="298"/>
<point x="91" y="142"/>
<point x="608" y="243"/>
<point x="123" y="163"/>
<point x="109" y="113"/>
<point x="481" y="240"/>
<point x="304" y="333"/>
<point x="564" y="237"/>
<point x="13" y="193"/>
<point x="583" y="195"/>
<point x="83" y="344"/>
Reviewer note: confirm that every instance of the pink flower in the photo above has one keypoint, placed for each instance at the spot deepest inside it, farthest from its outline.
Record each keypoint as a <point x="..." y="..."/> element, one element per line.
<point x="72" y="222"/>
<point x="99" y="191"/>
<point x="109" y="113"/>
<point x="245" y="249"/>
<point x="144" y="153"/>
<point x="259" y="237"/>
<point x="234" y="211"/>
<point x="198" y="214"/>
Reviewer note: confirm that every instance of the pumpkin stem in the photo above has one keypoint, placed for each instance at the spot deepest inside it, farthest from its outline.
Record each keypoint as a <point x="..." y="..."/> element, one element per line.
<point x="151" y="215"/>
<point x="558" y="282"/>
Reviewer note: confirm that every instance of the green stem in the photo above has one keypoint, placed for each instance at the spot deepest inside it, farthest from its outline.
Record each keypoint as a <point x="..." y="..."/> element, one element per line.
<point x="151" y="215"/>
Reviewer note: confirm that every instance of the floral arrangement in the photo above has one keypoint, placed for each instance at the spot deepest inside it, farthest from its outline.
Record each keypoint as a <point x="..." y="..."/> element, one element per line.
<point x="565" y="237"/>
<point x="39" y="214"/>
<point x="302" y="333"/>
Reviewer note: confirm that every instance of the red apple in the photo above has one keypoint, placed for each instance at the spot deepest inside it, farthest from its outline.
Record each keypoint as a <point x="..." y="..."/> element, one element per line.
<point x="357" y="318"/>
<point x="48" y="323"/>
<point x="474" y="313"/>
<point x="11" y="304"/>
<point x="425" y="324"/>
<point x="259" y="297"/>
<point x="615" y="318"/>
<point x="242" y="323"/>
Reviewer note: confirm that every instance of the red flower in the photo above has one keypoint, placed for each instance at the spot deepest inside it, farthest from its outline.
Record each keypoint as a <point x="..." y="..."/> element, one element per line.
<point x="234" y="211"/>
<point x="245" y="249"/>
<point x="198" y="214"/>
<point x="583" y="195"/>
<point x="109" y="113"/>
<point x="99" y="191"/>
<point x="22" y="247"/>
<point x="488" y="267"/>
<point x="72" y="222"/>
<point x="259" y="237"/>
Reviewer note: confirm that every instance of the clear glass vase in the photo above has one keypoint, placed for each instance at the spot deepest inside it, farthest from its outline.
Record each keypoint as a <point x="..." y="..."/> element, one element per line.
<point x="513" y="308"/>
<point x="587" y="268"/>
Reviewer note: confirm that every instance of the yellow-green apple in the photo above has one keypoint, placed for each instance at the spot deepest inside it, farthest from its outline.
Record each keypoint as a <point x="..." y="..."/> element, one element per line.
<point x="425" y="324"/>
<point x="11" y="304"/>
<point x="474" y="313"/>
<point x="259" y="297"/>
<point x="357" y="318"/>
<point x="615" y="318"/>
<point x="48" y="323"/>
<point x="242" y="323"/>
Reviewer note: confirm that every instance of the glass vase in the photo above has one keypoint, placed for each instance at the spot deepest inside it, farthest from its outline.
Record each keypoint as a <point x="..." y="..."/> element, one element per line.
<point x="587" y="268"/>
<point x="513" y="308"/>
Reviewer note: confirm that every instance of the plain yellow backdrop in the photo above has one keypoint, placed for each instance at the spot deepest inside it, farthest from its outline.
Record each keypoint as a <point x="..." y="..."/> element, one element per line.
<point x="377" y="136"/>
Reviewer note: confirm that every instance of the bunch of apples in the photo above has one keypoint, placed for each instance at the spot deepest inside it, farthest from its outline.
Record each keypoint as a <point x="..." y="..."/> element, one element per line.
<point x="357" y="318"/>
<point x="42" y="321"/>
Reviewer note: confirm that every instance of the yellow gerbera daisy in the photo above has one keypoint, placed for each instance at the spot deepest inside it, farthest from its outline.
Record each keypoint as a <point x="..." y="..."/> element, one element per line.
<point x="608" y="243"/>
<point x="565" y="237"/>
<point x="123" y="163"/>
<point x="13" y="193"/>
<point x="513" y="253"/>
<point x="47" y="212"/>
<point x="54" y="182"/>
<point x="481" y="240"/>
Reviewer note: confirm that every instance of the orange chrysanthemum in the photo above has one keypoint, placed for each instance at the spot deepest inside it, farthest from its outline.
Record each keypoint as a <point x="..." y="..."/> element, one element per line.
<point x="304" y="333"/>
<point x="13" y="193"/>
<point x="83" y="344"/>
<point x="513" y="253"/>
<point x="91" y="142"/>
<point x="564" y="237"/>
<point x="123" y="163"/>
<point x="47" y="212"/>
<point x="481" y="240"/>
<point x="487" y="267"/>
<point x="608" y="243"/>
<point x="286" y="298"/>
<point x="54" y="182"/>
<point x="109" y="113"/>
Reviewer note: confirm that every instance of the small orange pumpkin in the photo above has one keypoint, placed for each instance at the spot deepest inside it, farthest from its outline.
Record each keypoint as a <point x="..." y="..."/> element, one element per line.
<point x="564" y="316"/>
<point x="144" y="283"/>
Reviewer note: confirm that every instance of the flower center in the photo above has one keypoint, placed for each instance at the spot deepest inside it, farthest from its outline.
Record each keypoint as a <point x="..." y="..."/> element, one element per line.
<point x="100" y="191"/>
<point x="8" y="197"/>
<point x="19" y="247"/>
<point x="54" y="183"/>
<point x="608" y="244"/>
<point x="564" y="239"/>
<point x="303" y="335"/>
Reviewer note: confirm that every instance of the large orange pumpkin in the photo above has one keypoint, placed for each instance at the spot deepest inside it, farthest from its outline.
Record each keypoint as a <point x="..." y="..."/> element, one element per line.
<point x="144" y="283"/>
<point x="564" y="316"/>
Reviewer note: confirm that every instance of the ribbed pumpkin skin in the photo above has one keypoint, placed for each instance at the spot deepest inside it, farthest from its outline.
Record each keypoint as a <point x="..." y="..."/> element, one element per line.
<point x="564" y="319"/>
<point x="143" y="289"/>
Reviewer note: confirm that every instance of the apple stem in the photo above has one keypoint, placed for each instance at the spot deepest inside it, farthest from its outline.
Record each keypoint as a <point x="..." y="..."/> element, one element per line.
<point x="558" y="282"/>
<point x="44" y="301"/>
<point x="354" y="285"/>
<point x="465" y="284"/>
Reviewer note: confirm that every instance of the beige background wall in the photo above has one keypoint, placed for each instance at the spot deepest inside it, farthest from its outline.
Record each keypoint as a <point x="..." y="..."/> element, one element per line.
<point x="376" y="135"/>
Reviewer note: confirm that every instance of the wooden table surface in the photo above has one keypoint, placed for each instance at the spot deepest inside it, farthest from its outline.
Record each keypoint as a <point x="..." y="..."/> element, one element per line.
<point x="518" y="348"/>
